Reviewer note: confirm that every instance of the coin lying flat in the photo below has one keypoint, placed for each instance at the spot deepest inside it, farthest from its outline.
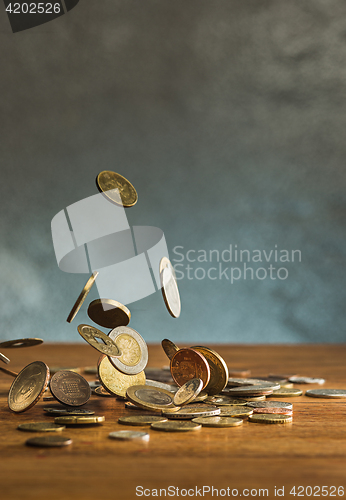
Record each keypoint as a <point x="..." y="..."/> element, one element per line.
<point x="4" y="358"/>
<point x="169" y="287"/>
<point x="109" y="313"/>
<point x="141" y="419"/>
<point x="270" y="419"/>
<point x="252" y="382"/>
<point x="28" y="386"/>
<point x="115" y="381"/>
<point x="55" y="369"/>
<point x="326" y="393"/>
<point x="253" y="390"/>
<point x="187" y="364"/>
<point x="169" y="347"/>
<point x="150" y="398"/>
<point x="188" y="392"/>
<point x="106" y="346"/>
<point x="108" y="181"/>
<point x="48" y="441"/>
<point x="76" y="420"/>
<point x="176" y="426"/>
<point x="192" y="411"/>
<point x="307" y="380"/>
<point x="40" y="427"/>
<point x="221" y="400"/>
<point x="218" y="370"/>
<point x="70" y="388"/>
<point x="271" y="404"/>
<point x="129" y="435"/>
<point x="218" y="421"/>
<point x="134" y="350"/>
<point x="68" y="411"/>
<point x="285" y="393"/>
<point x="235" y="411"/>
<point x="78" y="304"/>
<point x="255" y="398"/>
<point x="20" y="343"/>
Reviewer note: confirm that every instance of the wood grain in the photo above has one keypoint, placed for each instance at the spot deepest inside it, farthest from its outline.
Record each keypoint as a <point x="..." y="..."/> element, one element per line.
<point x="310" y="451"/>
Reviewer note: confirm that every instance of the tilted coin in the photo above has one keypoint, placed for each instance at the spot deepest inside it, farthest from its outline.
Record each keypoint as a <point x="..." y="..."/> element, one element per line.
<point x="202" y="396"/>
<point x="101" y="391"/>
<point x="129" y="435"/>
<point x="40" y="427"/>
<point x="109" y="313"/>
<point x="20" y="343"/>
<point x="78" y="304"/>
<point x="285" y="393"/>
<point x="218" y="421"/>
<point x="218" y="370"/>
<point x="28" y="386"/>
<point x="270" y="404"/>
<point x="134" y="350"/>
<point x="235" y="411"/>
<point x="307" y="380"/>
<point x="77" y="420"/>
<point x="238" y="382"/>
<point x="8" y="372"/>
<point x="169" y="347"/>
<point x="169" y="288"/>
<point x="68" y="411"/>
<point x="326" y="393"/>
<point x="188" y="392"/>
<point x="4" y="358"/>
<point x="187" y="364"/>
<point x="70" y="388"/>
<point x="148" y="397"/>
<point x="193" y="411"/>
<point x="141" y="419"/>
<point x="106" y="346"/>
<point x="116" y="188"/>
<point x="161" y="385"/>
<point x="115" y="381"/>
<point x="270" y="419"/>
<point x="176" y="426"/>
<point x="48" y="441"/>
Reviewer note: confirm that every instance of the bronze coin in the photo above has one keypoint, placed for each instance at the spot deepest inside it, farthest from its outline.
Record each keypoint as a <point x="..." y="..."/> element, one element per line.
<point x="70" y="388"/>
<point x="21" y="343"/>
<point x="169" y="347"/>
<point x="187" y="364"/>
<point x="28" y="386"/>
<point x="109" y="313"/>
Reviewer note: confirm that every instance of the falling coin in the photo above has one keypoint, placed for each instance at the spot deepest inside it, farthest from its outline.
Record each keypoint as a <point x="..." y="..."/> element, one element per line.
<point x="270" y="419"/>
<point x="134" y="350"/>
<point x="49" y="441"/>
<point x="40" y="427"/>
<point x="193" y="411"/>
<point x="70" y="388"/>
<point x="307" y="380"/>
<point x="4" y="358"/>
<point x="28" y="386"/>
<point x="20" y="343"/>
<point x="218" y="421"/>
<point x="77" y="420"/>
<point x="115" y="381"/>
<point x="188" y="392"/>
<point x="326" y="393"/>
<point x="169" y="347"/>
<point x="176" y="426"/>
<point x="129" y="435"/>
<point x="116" y="188"/>
<point x="169" y="288"/>
<point x="109" y="313"/>
<point x="187" y="364"/>
<point x="106" y="346"/>
<point x="82" y="297"/>
<point x="218" y="370"/>
<point x="141" y="420"/>
<point x="150" y="398"/>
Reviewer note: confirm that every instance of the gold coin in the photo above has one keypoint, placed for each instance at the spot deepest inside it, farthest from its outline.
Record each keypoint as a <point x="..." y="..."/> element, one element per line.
<point x="115" y="381"/>
<point x="270" y="418"/>
<point x="20" y="343"/>
<point x="28" y="386"/>
<point x="218" y="421"/>
<point x="255" y="398"/>
<point x="285" y="393"/>
<point x="235" y="411"/>
<point x="134" y="350"/>
<point x="107" y="181"/>
<point x="91" y="335"/>
<point x="202" y="396"/>
<point x="176" y="426"/>
<point x="149" y="397"/>
<point x="40" y="427"/>
<point x="48" y="441"/>
<point x="74" y="420"/>
<point x="169" y="347"/>
<point x="221" y="400"/>
<point x="286" y="385"/>
<point x="188" y="392"/>
<point x="109" y="313"/>
<point x="78" y="304"/>
<point x="55" y="369"/>
<point x="141" y="420"/>
<point x="192" y="411"/>
<point x="169" y="287"/>
<point x="218" y="370"/>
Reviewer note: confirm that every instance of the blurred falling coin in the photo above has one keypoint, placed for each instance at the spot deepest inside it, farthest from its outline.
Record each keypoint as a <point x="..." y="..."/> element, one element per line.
<point x="116" y="188"/>
<point x="40" y="427"/>
<point x="307" y="380"/>
<point x="141" y="419"/>
<point x="169" y="347"/>
<point x="326" y="393"/>
<point x="49" y="441"/>
<point x="28" y="386"/>
<point x="176" y="426"/>
<point x="129" y="435"/>
<point x="77" y="305"/>
<point x="77" y="420"/>
<point x="187" y="364"/>
<point x="169" y="287"/>
<point x="218" y="421"/>
<point x="115" y="381"/>
<point x="109" y="313"/>
<point x="218" y="370"/>
<point x="134" y="350"/>
<point x="150" y="398"/>
<point x="271" y="419"/>
<point x="188" y="392"/>
<point x="106" y="346"/>
<point x="4" y="358"/>
<point x="70" y="388"/>
<point x="20" y="343"/>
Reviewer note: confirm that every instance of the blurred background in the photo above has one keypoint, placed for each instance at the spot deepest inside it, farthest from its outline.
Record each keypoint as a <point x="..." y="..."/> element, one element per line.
<point x="228" y="116"/>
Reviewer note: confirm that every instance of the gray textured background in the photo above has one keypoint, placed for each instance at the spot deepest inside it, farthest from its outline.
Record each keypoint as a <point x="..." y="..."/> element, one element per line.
<point x="227" y="116"/>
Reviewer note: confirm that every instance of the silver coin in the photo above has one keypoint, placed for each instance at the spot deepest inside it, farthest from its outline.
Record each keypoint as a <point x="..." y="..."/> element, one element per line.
<point x="270" y="404"/>
<point x="244" y="382"/>
<point x="129" y="435"/>
<point x="192" y="411"/>
<point x="169" y="288"/>
<point x="326" y="393"/>
<point x="161" y="385"/>
<point x="250" y="389"/>
<point x="306" y="380"/>
<point x="4" y="358"/>
<point x="134" y="350"/>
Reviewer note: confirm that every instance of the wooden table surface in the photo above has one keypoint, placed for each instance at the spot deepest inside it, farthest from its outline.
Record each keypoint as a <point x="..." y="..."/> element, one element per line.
<point x="309" y="452"/>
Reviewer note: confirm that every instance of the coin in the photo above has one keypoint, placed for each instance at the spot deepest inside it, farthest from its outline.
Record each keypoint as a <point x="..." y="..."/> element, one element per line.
<point x="169" y="347"/>
<point x="115" y="381"/>
<point x="159" y="374"/>
<point x="134" y="350"/>
<point x="70" y="388"/>
<point x="221" y="400"/>
<point x="141" y="419"/>
<point x="251" y="390"/>
<point x="285" y="393"/>
<point x="90" y="370"/>
<point x="187" y="364"/>
<point x="270" y="419"/>
<point x="271" y="404"/>
<point x="28" y="386"/>
<point x="68" y="411"/>
<point x="20" y="343"/>
<point x="218" y="421"/>
<point x="48" y="441"/>
<point x="255" y="398"/>
<point x="326" y="393"/>
<point x="150" y="398"/>
<point x="202" y="396"/>
<point x="4" y="358"/>
<point x="276" y="411"/>
<point x="8" y="372"/>
<point x="77" y="305"/>
<point x="218" y="370"/>
<point x="239" y="373"/>
<point x="235" y="411"/>
<point x="176" y="426"/>
<point x="193" y="411"/>
<point x="106" y="346"/>
<point x="108" y="181"/>
<point x="306" y="380"/>
<point x="238" y="382"/>
<point x="109" y="313"/>
<point x="76" y="420"/>
<point x="40" y="427"/>
<point x="55" y="369"/>
<point x="129" y="435"/>
<point x="101" y="391"/>
<point x="161" y="385"/>
<point x="287" y="385"/>
<point x="188" y="392"/>
<point x="169" y="288"/>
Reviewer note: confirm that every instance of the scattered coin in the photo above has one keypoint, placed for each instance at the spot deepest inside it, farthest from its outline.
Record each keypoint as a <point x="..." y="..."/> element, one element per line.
<point x="161" y="385"/>
<point x="254" y="398"/>
<point x="131" y="406"/>
<point x="285" y="393"/>
<point x="109" y="313"/>
<point x="187" y="364"/>
<point x="40" y="427"/>
<point x="141" y="419"/>
<point x="28" y="386"/>
<point x="326" y="393"/>
<point x="239" y="373"/>
<point x="150" y="398"/>
<point x="235" y="411"/>
<point x="238" y="382"/>
<point x="287" y="385"/>
<point x="77" y="420"/>
<point x="188" y="392"/>
<point x="101" y="391"/>
<point x="251" y="390"/>
<point x="276" y="411"/>
<point x="20" y="343"/>
<point x="218" y="421"/>
<point x="49" y="441"/>
<point x="169" y="347"/>
<point x="70" y="388"/>
<point x="221" y="400"/>
<point x="55" y="369"/>
<point x="116" y="188"/>
<point x="193" y="411"/>
<point x="106" y="346"/>
<point x="202" y="396"/>
<point x="271" y="404"/>
<point x="169" y="287"/>
<point x="68" y="411"/>
<point x="77" y="305"/>
<point x="115" y="381"/>
<point x="129" y="435"/>
<point x="134" y="350"/>
<point x="218" y="370"/>
<point x="4" y="358"/>
<point x="176" y="426"/>
<point x="306" y="380"/>
<point x="270" y="419"/>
